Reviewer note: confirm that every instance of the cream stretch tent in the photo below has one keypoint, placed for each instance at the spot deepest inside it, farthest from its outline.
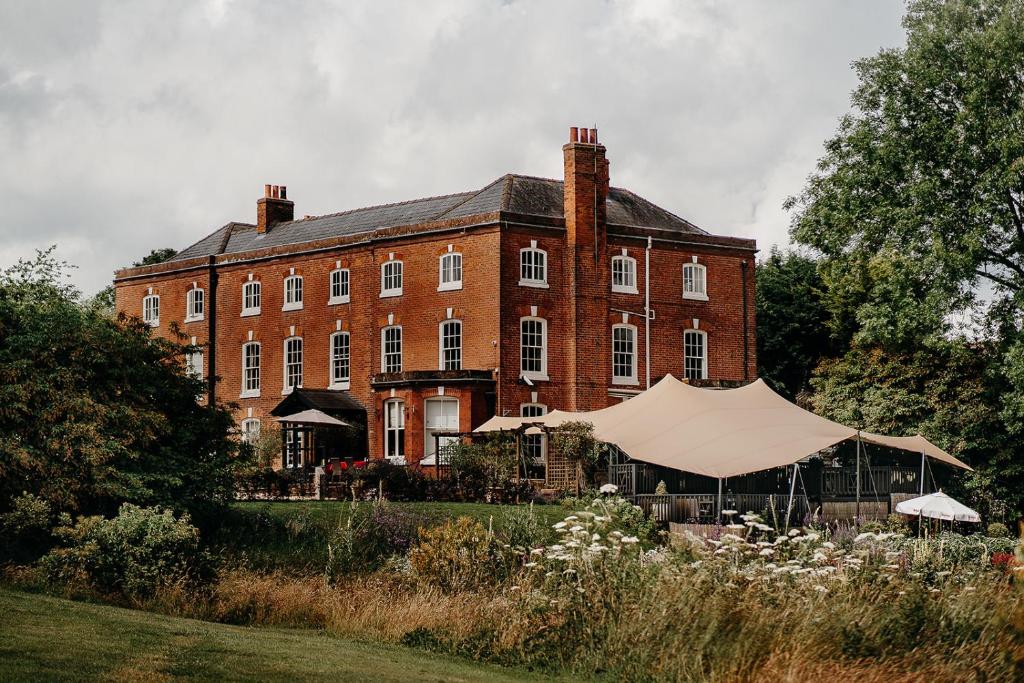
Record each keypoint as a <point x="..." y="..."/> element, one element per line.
<point x="717" y="432"/>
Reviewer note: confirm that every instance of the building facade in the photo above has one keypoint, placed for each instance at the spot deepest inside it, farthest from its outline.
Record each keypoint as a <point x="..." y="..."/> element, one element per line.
<point x="434" y="314"/>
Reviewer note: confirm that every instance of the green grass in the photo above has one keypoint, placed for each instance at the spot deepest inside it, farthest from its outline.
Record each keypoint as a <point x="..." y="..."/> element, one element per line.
<point x="334" y="511"/>
<point x="49" y="639"/>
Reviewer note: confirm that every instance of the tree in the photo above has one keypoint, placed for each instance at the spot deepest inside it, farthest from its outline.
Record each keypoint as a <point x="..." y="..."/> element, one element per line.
<point x="921" y="192"/>
<point x="103" y="300"/>
<point x="156" y="256"/>
<point x="95" y="412"/>
<point x="794" y="326"/>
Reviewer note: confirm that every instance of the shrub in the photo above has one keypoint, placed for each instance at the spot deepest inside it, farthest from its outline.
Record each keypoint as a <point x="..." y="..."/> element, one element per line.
<point x="523" y="529"/>
<point x="458" y="555"/>
<point x="26" y="530"/>
<point x="997" y="530"/>
<point x="478" y="469"/>
<point x="371" y="534"/>
<point x="132" y="554"/>
<point x="625" y="517"/>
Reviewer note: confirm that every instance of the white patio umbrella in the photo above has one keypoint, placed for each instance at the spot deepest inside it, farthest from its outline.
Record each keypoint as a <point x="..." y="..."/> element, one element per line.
<point x="938" y="506"/>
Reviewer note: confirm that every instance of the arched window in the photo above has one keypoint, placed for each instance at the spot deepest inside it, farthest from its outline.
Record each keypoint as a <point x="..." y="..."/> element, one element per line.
<point x="391" y="278"/>
<point x="339" y="286"/>
<point x="292" y="293"/>
<point x="695" y="354"/>
<point x="391" y="349"/>
<point x="623" y="354"/>
<point x="251" y="295"/>
<point x="151" y="310"/>
<point x="451" y="345"/>
<point x="250" y="370"/>
<point x="533" y="266"/>
<point x="441" y="414"/>
<point x="292" y="363"/>
<point x="340" y="358"/>
<point x="195" y="305"/>
<point x="450" y="271"/>
<point x="695" y="282"/>
<point x="394" y="430"/>
<point x="533" y="348"/>
<point x="250" y="430"/>
<point x="624" y="274"/>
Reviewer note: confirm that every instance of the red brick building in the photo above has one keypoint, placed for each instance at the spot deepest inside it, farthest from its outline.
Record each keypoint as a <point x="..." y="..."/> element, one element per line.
<point x="434" y="314"/>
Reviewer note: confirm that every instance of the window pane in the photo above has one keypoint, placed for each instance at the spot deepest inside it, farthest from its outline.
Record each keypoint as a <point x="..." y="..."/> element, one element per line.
<point x="694" y="358"/>
<point x="623" y="353"/>
<point x="251" y="367"/>
<point x="532" y="346"/>
<point x="340" y="357"/>
<point x="451" y="345"/>
<point x="392" y="349"/>
<point x="293" y="363"/>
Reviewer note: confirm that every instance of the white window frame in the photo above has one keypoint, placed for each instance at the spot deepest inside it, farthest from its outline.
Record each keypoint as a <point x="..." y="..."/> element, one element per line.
<point x="254" y="391"/>
<point x="394" y="457"/>
<point x="151" y="310"/>
<point x="386" y="291"/>
<point x="536" y="409"/>
<point x="542" y="374"/>
<point x="249" y="430"/>
<point x="344" y="278"/>
<point x="441" y="364"/>
<point x="532" y="281"/>
<point x="629" y="274"/>
<point x="293" y="293"/>
<point x="630" y="379"/>
<point x="194" y="363"/>
<point x="194" y="313"/>
<point x="383" y="347"/>
<point x="285" y="363"/>
<point x="454" y="284"/>
<point x="704" y="359"/>
<point x="428" y="430"/>
<point x="699" y="276"/>
<point x="257" y="295"/>
<point x="336" y="381"/>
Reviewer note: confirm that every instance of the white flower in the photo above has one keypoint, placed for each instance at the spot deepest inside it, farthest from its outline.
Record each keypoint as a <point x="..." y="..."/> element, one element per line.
<point x="794" y="532"/>
<point x="530" y="564"/>
<point x="571" y="518"/>
<point x="559" y="525"/>
<point x="735" y="527"/>
<point x="729" y="512"/>
<point x="575" y="528"/>
<point x="821" y="589"/>
<point x="764" y="527"/>
<point x="630" y="539"/>
<point x="767" y="552"/>
<point x="867" y="535"/>
<point x="829" y="544"/>
<point x="609" y="488"/>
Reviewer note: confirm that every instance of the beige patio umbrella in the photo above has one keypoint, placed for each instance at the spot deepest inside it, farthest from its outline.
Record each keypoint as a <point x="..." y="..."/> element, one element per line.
<point x="938" y="506"/>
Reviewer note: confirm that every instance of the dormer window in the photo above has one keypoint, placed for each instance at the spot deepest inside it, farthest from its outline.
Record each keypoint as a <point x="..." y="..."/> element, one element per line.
<point x="533" y="266"/>
<point x="195" y="305"/>
<point x="450" y="272"/>
<point x="339" y="287"/>
<point x="391" y="278"/>
<point x="292" y="293"/>
<point x="624" y="274"/>
<point x="695" y="282"/>
<point x="151" y="310"/>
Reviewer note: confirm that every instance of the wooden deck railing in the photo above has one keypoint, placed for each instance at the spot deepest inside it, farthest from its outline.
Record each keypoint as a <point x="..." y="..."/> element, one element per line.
<point x="701" y="508"/>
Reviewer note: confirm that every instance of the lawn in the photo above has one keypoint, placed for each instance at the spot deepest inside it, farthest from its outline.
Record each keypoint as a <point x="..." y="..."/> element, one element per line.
<point x="333" y="512"/>
<point x="49" y="639"/>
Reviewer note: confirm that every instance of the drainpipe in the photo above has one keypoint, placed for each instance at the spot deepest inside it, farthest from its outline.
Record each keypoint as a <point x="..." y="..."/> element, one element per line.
<point x="647" y="311"/>
<point x="212" y="336"/>
<point x="746" y="322"/>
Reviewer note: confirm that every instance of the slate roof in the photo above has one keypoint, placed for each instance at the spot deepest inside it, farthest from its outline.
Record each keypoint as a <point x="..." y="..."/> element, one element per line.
<point x="519" y="194"/>
<point x="333" y="402"/>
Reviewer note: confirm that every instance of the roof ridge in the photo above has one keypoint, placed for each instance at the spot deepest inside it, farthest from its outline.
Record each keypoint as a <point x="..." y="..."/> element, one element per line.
<point x="384" y="206"/>
<point x="535" y="177"/>
<point x="471" y="197"/>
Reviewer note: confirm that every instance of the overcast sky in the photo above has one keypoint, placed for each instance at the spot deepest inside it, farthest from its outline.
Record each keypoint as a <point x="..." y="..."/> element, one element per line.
<point x="130" y="126"/>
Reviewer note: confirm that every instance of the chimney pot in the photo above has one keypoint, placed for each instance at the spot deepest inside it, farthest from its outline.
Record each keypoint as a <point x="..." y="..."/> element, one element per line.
<point x="266" y="190"/>
<point x="593" y="136"/>
<point x="274" y="208"/>
<point x="284" y="192"/>
<point x="574" y="134"/>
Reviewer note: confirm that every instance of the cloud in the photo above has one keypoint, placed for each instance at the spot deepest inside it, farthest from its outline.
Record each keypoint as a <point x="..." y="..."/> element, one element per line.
<point x="130" y="126"/>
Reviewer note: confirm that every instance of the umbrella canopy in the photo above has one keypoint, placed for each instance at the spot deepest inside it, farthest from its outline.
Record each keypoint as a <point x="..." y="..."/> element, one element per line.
<point x="313" y="417"/>
<point x="938" y="506"/>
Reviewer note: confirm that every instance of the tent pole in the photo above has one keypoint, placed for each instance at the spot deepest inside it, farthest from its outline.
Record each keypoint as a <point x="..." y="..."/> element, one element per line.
<point x="922" y="473"/>
<point x="719" y="500"/>
<point x="856" y="517"/>
<point x="792" y="490"/>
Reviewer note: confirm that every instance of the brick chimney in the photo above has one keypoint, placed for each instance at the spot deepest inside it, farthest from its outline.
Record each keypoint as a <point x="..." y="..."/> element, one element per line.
<point x="273" y="208"/>
<point x="586" y="188"/>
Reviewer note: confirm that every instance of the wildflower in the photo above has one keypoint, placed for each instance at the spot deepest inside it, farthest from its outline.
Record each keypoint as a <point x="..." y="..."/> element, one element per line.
<point x="575" y="528"/>
<point x="750" y="523"/>
<point x="821" y="589"/>
<point x="766" y="552"/>
<point x="781" y="539"/>
<point x="537" y="551"/>
<point x="609" y="489"/>
<point x="514" y="588"/>
<point x="934" y="590"/>
<point x="732" y="537"/>
<point x="571" y="518"/>
<point x="764" y="527"/>
<point x="630" y="539"/>
<point x="729" y="512"/>
<point x="829" y="544"/>
<point x="714" y="542"/>
<point x="735" y="527"/>
<point x="867" y="535"/>
<point x="530" y="564"/>
<point x="595" y="537"/>
<point x="944" y="573"/>
<point x="559" y="525"/>
<point x="890" y="566"/>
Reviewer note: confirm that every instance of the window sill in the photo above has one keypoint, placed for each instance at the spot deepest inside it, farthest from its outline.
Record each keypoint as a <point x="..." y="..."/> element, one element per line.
<point x="338" y="300"/>
<point x="292" y="307"/>
<point x="624" y="290"/>
<point x="390" y="293"/>
<point x="154" y="323"/>
<point x="250" y="394"/>
<point x="195" y="319"/>
<point x="247" y="312"/>
<point x="288" y="390"/>
<point x="534" y="283"/>
<point x="625" y="382"/>
<point x="695" y="297"/>
<point x="340" y="386"/>
<point x="535" y="377"/>
<point x="450" y="287"/>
